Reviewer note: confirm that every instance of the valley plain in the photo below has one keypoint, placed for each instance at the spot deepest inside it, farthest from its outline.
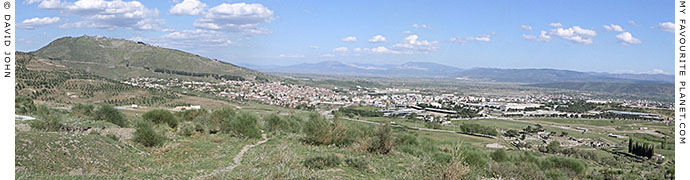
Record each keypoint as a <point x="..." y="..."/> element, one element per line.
<point x="101" y="108"/>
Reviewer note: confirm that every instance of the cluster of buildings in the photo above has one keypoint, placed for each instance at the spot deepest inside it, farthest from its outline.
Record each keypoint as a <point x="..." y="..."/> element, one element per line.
<point x="274" y="93"/>
<point x="394" y="101"/>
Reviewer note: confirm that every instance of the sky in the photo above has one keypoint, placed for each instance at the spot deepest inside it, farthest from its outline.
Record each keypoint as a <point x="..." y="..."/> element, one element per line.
<point x="590" y="36"/>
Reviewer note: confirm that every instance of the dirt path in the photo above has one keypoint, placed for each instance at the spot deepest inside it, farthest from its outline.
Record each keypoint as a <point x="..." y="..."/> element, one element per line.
<point x="236" y="161"/>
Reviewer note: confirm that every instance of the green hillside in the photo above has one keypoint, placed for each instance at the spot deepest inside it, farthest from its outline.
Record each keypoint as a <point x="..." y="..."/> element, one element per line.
<point x="120" y="59"/>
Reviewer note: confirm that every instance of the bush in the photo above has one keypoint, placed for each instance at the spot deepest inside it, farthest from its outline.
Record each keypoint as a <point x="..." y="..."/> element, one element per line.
<point x="566" y="164"/>
<point x="317" y="130"/>
<point x="113" y="137"/>
<point x="553" y="147"/>
<point x="192" y="114"/>
<point x="499" y="155"/>
<point x="476" y="128"/>
<point x="511" y="133"/>
<point x="382" y="142"/>
<point x="47" y="120"/>
<point x="243" y="125"/>
<point x="441" y="157"/>
<point x="82" y="110"/>
<point x="274" y="123"/>
<point x="145" y="134"/>
<point x="320" y="162"/>
<point x="406" y="139"/>
<point x="356" y="163"/>
<point x="159" y="116"/>
<point x="215" y="121"/>
<point x="186" y="128"/>
<point x="24" y="105"/>
<point x="475" y="158"/>
<point x="110" y="114"/>
<point x="284" y="124"/>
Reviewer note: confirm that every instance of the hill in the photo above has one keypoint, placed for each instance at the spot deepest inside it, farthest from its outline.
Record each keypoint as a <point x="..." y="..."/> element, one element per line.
<point x="47" y="82"/>
<point x="121" y="59"/>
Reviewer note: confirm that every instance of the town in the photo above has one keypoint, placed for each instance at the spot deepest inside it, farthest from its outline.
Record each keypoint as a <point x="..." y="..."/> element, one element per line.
<point x="434" y="107"/>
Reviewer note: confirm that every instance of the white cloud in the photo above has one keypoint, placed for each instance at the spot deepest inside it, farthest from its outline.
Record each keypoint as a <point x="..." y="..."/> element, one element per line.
<point x="627" y="39"/>
<point x="189" y="39"/>
<point x="31" y="1"/>
<point x="543" y="37"/>
<point x="666" y="26"/>
<point x="291" y="56"/>
<point x="575" y="34"/>
<point x="37" y="22"/>
<point x="327" y="55"/>
<point x="613" y="27"/>
<point x="106" y="14"/>
<point x="341" y="49"/>
<point x="349" y="39"/>
<point x="377" y="39"/>
<point x="482" y="38"/>
<point x="382" y="50"/>
<point x="421" y="26"/>
<point x="314" y="47"/>
<point x="525" y="27"/>
<point x="238" y="17"/>
<point x="631" y="22"/>
<point x="407" y="32"/>
<point x="188" y="8"/>
<point x="411" y="45"/>
<point x="556" y="25"/>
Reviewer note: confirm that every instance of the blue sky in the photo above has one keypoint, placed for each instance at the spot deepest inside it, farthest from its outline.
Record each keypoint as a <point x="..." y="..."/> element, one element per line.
<point x="599" y="36"/>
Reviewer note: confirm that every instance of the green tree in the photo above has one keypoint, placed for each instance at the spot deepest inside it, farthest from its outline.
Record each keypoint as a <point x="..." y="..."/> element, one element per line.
<point x="110" y="114"/>
<point x="161" y="116"/>
<point x="145" y="134"/>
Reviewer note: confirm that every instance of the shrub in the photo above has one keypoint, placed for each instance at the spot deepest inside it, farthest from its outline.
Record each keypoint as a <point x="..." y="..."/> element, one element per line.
<point x="406" y="139"/>
<point x="499" y="155"/>
<point x="192" y="114"/>
<point x="511" y="133"/>
<point x="317" y="130"/>
<point x="186" y="128"/>
<point x="320" y="162"/>
<point x="475" y="158"/>
<point x="476" y="128"/>
<point x="441" y="157"/>
<point x="276" y="123"/>
<point x="344" y="135"/>
<point x="215" y="121"/>
<point x="357" y="163"/>
<point x="24" y="105"/>
<point x="113" y="137"/>
<point x="553" y="147"/>
<point x="566" y="164"/>
<point x="82" y="110"/>
<point x="47" y="120"/>
<point x="110" y="114"/>
<point x="382" y="142"/>
<point x="159" y="116"/>
<point x="145" y="134"/>
<point x="244" y="125"/>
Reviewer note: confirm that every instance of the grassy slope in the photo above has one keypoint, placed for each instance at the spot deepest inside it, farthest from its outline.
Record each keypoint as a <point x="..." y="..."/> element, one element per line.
<point x="121" y="59"/>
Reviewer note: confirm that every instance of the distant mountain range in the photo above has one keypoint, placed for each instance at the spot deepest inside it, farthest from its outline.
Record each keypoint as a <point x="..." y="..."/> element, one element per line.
<point x="433" y="70"/>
